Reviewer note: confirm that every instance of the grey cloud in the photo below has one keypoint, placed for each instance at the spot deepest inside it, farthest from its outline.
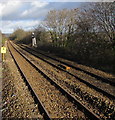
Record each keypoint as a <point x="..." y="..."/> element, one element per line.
<point x="37" y="13"/>
<point x="33" y="16"/>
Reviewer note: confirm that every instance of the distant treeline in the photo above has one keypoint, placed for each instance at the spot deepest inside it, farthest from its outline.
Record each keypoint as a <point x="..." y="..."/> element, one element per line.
<point x="86" y="34"/>
<point x="3" y="38"/>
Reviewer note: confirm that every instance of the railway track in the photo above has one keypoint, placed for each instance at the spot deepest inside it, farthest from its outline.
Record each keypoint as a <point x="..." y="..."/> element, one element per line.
<point x="90" y="81"/>
<point x="35" y="96"/>
<point x="97" y="76"/>
<point x="75" y="90"/>
<point x="63" y="91"/>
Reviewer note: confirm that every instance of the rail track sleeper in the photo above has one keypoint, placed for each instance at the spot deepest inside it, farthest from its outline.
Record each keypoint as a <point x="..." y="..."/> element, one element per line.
<point x="36" y="98"/>
<point x="92" y="86"/>
<point x="85" y="82"/>
<point x="70" y="97"/>
<point x="107" y="80"/>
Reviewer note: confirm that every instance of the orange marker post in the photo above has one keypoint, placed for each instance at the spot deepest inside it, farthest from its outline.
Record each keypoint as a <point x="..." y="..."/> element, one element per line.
<point x="67" y="68"/>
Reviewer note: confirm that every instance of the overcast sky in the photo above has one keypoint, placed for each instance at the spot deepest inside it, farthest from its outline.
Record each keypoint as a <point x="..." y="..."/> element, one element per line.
<point x="28" y="14"/>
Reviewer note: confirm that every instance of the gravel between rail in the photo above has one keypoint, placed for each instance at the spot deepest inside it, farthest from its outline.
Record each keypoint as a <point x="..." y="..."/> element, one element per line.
<point x="84" y="67"/>
<point x="17" y="100"/>
<point x="57" y="104"/>
<point x="96" y="100"/>
<point x="102" y="85"/>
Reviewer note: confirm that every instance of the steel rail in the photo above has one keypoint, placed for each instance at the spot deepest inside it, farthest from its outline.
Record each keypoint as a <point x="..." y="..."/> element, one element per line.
<point x="107" y="80"/>
<point x="41" y="108"/>
<point x="81" y="80"/>
<point x="87" y="112"/>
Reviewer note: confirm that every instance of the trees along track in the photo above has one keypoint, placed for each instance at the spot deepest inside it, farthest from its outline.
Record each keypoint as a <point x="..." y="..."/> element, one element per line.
<point x="70" y="105"/>
<point x="100" y="84"/>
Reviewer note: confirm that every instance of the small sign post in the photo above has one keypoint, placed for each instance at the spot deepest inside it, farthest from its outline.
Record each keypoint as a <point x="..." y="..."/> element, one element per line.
<point x="3" y="51"/>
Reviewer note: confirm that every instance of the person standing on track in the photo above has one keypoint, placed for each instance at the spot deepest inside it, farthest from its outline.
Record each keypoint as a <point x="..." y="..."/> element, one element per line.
<point x="34" y="44"/>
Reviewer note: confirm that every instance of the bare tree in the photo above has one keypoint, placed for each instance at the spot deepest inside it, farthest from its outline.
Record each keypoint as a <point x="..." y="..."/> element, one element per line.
<point x="103" y="13"/>
<point x="95" y="24"/>
<point x="61" y="24"/>
<point x="41" y="34"/>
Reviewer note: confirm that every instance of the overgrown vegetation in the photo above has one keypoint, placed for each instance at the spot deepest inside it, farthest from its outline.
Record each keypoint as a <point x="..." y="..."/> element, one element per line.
<point x="85" y="35"/>
<point x="3" y="38"/>
<point x="21" y="36"/>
